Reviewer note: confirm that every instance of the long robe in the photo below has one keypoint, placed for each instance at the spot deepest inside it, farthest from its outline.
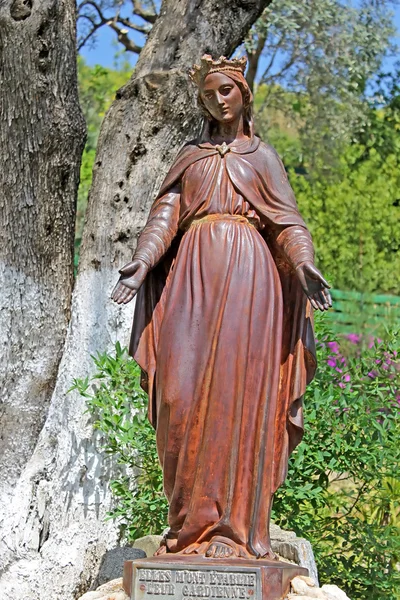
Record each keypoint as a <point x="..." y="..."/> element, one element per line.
<point x="223" y="335"/>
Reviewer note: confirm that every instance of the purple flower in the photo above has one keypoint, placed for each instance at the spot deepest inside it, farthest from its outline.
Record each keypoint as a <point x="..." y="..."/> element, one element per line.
<point x="374" y="342"/>
<point x="334" y="347"/>
<point x="373" y="374"/>
<point x="331" y="362"/>
<point x="354" y="338"/>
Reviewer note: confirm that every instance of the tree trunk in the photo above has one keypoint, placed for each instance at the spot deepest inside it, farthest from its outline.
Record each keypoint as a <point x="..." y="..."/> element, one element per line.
<point x="254" y="59"/>
<point x="56" y="535"/>
<point x="42" y="134"/>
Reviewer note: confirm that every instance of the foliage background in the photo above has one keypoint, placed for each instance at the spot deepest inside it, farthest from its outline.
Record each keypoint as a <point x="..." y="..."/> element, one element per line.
<point x="97" y="88"/>
<point x="351" y="204"/>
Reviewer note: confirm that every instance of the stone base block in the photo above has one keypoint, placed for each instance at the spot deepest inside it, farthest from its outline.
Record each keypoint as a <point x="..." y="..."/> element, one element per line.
<point x="178" y="577"/>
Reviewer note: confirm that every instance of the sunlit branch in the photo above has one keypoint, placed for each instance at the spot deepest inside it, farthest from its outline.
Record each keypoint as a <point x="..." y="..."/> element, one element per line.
<point x="124" y="39"/>
<point x="145" y="29"/>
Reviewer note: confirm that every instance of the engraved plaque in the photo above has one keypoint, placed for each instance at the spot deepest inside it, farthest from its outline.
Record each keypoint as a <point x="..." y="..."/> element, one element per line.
<point x="177" y="577"/>
<point x="180" y="582"/>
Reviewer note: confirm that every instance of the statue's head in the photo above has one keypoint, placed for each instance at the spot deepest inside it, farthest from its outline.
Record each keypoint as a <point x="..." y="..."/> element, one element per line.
<point x="224" y="94"/>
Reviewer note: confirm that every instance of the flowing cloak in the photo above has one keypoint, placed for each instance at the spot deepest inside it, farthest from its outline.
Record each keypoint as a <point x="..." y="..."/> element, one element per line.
<point x="257" y="174"/>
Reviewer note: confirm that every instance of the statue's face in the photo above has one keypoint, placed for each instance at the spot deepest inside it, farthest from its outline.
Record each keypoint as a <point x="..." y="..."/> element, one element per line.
<point x="222" y="98"/>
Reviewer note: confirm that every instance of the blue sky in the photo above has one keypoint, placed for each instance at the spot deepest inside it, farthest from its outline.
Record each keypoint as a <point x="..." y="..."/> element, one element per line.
<point x="105" y="48"/>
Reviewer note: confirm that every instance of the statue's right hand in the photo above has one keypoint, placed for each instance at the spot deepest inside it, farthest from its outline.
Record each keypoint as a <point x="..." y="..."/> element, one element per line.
<point x="132" y="276"/>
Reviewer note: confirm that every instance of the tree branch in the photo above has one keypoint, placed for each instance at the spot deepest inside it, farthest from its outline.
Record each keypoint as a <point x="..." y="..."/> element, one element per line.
<point x="275" y="76"/>
<point x="94" y="27"/>
<point x="145" y="29"/>
<point x="124" y="39"/>
<point x="117" y="23"/>
<point x="93" y="5"/>
<point x="147" y="15"/>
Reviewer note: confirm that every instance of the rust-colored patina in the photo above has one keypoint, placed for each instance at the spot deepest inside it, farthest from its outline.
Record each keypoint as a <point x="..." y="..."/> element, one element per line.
<point x="225" y="275"/>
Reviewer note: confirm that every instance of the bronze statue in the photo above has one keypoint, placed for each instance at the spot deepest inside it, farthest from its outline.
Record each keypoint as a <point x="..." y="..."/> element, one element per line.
<point x="225" y="279"/>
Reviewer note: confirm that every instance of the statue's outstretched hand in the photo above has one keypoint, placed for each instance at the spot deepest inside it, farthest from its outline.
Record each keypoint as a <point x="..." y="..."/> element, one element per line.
<point x="132" y="276"/>
<point x="314" y="285"/>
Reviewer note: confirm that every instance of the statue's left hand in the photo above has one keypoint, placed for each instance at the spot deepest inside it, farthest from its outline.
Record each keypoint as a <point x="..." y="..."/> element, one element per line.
<point x="314" y="285"/>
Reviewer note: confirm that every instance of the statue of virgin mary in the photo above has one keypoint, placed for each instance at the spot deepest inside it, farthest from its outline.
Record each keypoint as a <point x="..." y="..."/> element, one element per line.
<point x="225" y="281"/>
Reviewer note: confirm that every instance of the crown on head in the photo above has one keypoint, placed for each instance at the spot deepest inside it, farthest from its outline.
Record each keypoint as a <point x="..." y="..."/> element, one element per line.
<point x="208" y="66"/>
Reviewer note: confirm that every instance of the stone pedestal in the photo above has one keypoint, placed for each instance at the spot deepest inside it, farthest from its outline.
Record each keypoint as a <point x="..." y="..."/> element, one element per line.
<point x="177" y="577"/>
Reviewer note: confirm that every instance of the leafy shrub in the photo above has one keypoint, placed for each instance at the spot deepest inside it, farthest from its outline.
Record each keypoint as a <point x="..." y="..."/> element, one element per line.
<point x="342" y="490"/>
<point x="358" y="249"/>
<point x="118" y="406"/>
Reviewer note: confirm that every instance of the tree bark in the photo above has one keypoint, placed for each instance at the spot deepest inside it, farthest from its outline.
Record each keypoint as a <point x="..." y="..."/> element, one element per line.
<point x="56" y="535"/>
<point x="42" y="134"/>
